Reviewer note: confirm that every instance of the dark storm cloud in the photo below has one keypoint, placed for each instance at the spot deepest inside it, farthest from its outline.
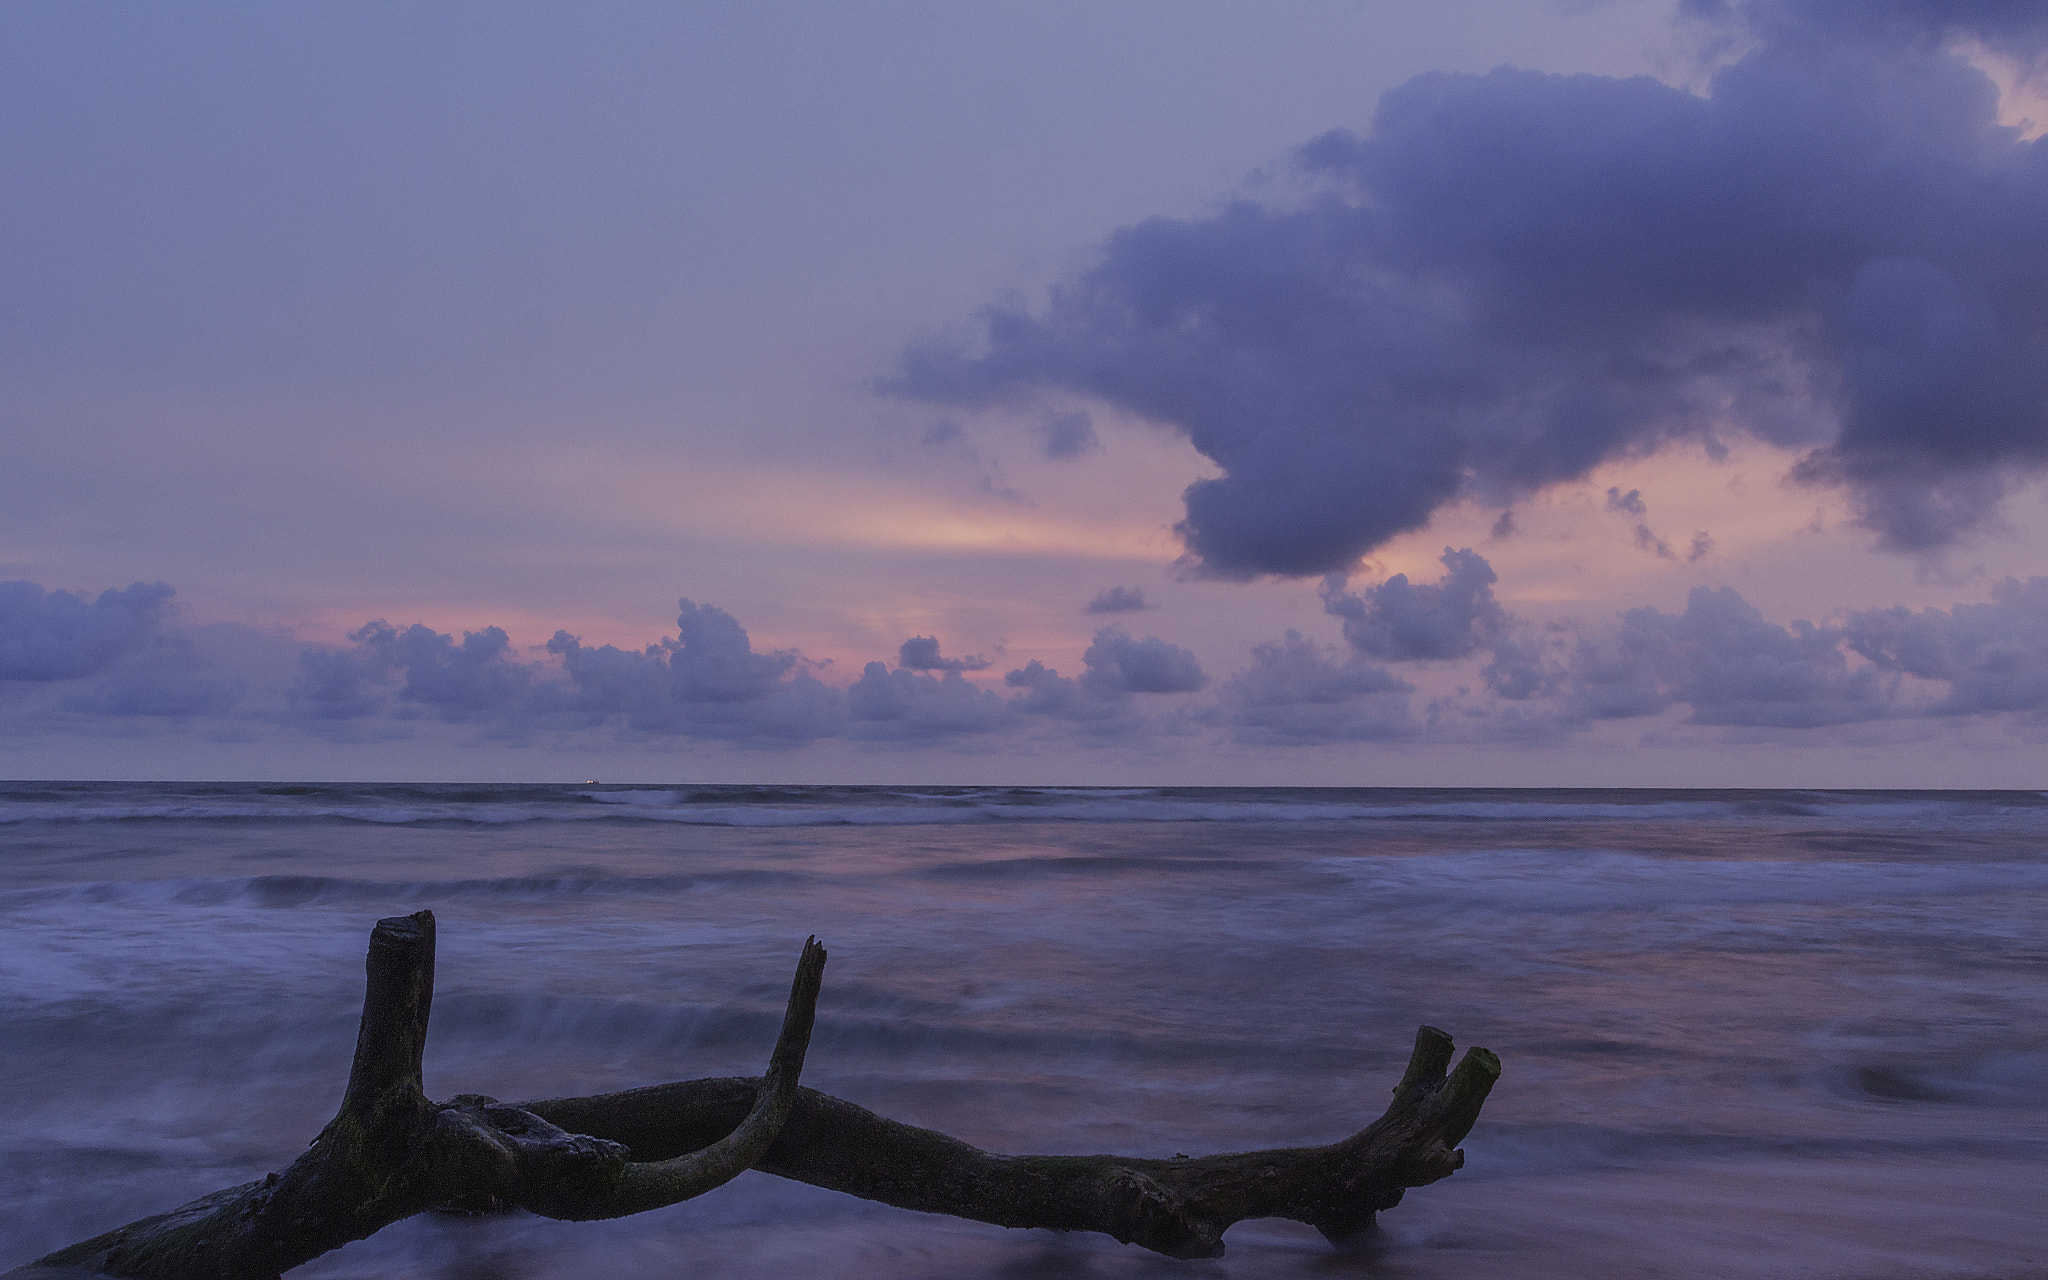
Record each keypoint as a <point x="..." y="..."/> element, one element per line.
<point x="1401" y="621"/>
<point x="1515" y="277"/>
<point x="921" y="653"/>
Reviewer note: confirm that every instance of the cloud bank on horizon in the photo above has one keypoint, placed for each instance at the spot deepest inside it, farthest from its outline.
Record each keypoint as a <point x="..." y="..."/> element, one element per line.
<point x="1514" y="278"/>
<point x="121" y="665"/>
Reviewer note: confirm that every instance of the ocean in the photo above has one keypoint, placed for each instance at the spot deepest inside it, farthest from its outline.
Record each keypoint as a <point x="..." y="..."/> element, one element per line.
<point x="1744" y="1033"/>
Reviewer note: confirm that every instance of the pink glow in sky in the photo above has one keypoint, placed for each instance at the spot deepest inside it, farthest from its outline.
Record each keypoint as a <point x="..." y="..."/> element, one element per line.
<point x="1501" y="391"/>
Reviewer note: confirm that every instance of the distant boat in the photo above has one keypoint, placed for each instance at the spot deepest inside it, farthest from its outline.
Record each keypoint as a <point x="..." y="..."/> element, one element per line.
<point x="591" y="782"/>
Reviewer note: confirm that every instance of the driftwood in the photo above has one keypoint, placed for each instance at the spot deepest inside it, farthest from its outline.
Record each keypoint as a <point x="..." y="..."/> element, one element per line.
<point x="389" y="1153"/>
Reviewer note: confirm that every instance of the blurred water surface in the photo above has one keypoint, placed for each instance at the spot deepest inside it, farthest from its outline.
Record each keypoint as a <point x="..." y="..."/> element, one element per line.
<point x="1745" y="1033"/>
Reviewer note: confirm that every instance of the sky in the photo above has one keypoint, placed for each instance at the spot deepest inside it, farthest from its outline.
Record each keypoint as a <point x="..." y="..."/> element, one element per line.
<point x="1472" y="393"/>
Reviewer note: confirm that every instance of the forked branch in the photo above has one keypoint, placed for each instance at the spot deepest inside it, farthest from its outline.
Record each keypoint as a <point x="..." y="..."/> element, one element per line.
<point x="390" y="1153"/>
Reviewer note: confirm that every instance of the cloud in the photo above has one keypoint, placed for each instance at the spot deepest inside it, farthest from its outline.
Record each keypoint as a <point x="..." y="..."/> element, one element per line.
<point x="1118" y="664"/>
<point x="1296" y="694"/>
<point x="1632" y="504"/>
<point x="168" y="680"/>
<point x="1513" y="278"/>
<point x="921" y="653"/>
<point x="1717" y="664"/>
<point x="55" y="635"/>
<point x="111" y="656"/>
<point x="1045" y="690"/>
<point x="1117" y="600"/>
<point x="2012" y="26"/>
<point x="1733" y="668"/>
<point x="462" y="681"/>
<point x="1069" y="435"/>
<point x="416" y="672"/>
<point x="1994" y="657"/>
<point x="908" y="706"/>
<point x="707" y="682"/>
<point x="344" y="684"/>
<point x="1101" y="701"/>
<point x="1720" y="659"/>
<point x="1519" y="670"/>
<point x="1402" y="621"/>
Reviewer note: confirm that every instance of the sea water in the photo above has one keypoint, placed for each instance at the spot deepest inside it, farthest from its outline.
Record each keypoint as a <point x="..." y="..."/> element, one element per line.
<point x="1743" y="1033"/>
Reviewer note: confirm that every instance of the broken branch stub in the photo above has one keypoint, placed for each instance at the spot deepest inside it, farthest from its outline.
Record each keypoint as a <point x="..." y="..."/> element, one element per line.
<point x="389" y="1153"/>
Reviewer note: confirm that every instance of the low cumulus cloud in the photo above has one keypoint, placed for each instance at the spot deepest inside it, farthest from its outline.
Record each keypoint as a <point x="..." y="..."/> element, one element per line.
<point x="1510" y="279"/>
<point x="55" y="635"/>
<point x="921" y="653"/>
<point x="1117" y="600"/>
<point x="111" y="655"/>
<point x="1719" y="663"/>
<point x="1114" y="667"/>
<point x="120" y="662"/>
<point x="1118" y="663"/>
<point x="1403" y="621"/>
<point x="1993" y="657"/>
<point x="914" y="706"/>
<point x="1732" y="667"/>
<point x="1296" y="693"/>
<point x="708" y="682"/>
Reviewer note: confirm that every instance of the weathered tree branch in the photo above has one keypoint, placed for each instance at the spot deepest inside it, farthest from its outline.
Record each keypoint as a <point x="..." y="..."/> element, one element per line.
<point x="390" y="1153"/>
<point x="1178" y="1207"/>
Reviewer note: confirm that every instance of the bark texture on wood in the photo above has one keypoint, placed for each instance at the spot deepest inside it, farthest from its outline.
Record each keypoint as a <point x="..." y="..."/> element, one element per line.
<point x="1178" y="1207"/>
<point x="390" y="1153"/>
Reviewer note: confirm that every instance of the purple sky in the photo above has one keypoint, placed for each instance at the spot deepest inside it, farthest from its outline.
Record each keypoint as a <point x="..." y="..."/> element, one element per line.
<point x="1546" y="392"/>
